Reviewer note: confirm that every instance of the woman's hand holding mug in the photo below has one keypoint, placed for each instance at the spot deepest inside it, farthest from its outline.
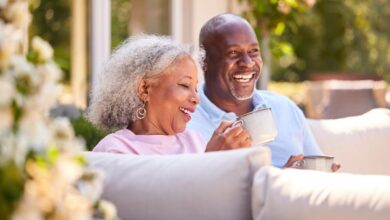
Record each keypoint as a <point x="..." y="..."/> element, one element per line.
<point x="229" y="136"/>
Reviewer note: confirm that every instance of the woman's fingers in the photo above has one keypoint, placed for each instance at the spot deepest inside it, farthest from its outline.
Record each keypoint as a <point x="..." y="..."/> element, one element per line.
<point x="223" y="126"/>
<point x="229" y="136"/>
<point x="237" y="137"/>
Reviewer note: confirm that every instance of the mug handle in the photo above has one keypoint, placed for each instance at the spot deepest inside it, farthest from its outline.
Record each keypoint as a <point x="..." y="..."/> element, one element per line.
<point x="241" y="122"/>
<point x="299" y="164"/>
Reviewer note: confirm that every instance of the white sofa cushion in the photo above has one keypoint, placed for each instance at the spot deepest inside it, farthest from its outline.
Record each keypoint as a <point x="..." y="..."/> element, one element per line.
<point x="304" y="194"/>
<point x="360" y="143"/>
<point x="207" y="186"/>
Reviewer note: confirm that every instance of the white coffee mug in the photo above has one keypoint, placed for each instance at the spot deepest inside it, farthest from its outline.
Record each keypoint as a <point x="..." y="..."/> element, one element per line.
<point x="320" y="162"/>
<point x="260" y="125"/>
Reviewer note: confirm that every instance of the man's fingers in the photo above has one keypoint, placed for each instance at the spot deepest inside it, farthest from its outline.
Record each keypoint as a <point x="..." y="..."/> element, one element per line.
<point x="335" y="167"/>
<point x="292" y="161"/>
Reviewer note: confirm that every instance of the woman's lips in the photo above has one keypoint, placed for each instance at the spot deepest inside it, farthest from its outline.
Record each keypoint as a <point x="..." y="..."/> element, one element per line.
<point x="187" y="113"/>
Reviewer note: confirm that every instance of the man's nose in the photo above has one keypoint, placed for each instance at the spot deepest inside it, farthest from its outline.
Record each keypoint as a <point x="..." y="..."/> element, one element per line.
<point x="246" y="60"/>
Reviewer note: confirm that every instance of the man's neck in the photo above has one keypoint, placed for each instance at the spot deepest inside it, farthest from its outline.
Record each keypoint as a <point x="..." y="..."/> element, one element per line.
<point x="232" y="104"/>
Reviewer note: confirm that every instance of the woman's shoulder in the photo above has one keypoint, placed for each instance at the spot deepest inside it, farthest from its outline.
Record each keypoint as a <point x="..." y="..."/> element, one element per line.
<point x="115" y="142"/>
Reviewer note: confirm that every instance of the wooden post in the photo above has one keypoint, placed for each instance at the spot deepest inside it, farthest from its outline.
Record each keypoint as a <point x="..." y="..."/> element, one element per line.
<point x="78" y="57"/>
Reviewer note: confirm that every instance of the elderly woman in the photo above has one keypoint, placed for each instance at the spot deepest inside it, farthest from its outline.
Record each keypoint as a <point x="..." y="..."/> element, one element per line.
<point x="148" y="91"/>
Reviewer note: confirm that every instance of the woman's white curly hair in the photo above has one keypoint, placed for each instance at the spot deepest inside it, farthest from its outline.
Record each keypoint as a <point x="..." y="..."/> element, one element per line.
<point x="114" y="99"/>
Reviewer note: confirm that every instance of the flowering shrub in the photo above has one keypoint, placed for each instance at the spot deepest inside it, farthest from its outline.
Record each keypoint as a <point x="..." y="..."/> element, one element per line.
<point x="42" y="174"/>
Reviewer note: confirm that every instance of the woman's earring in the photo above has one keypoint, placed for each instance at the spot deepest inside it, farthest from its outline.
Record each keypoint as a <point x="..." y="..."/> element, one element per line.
<point x="141" y="111"/>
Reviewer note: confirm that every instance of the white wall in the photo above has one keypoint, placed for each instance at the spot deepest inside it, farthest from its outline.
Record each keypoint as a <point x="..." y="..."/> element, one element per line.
<point x="188" y="17"/>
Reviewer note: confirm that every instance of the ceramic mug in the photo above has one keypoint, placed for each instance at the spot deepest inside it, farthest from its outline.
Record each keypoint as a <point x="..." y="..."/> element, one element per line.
<point x="260" y="125"/>
<point x="321" y="163"/>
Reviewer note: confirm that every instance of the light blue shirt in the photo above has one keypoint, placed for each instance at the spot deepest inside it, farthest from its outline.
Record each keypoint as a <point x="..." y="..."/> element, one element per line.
<point x="293" y="134"/>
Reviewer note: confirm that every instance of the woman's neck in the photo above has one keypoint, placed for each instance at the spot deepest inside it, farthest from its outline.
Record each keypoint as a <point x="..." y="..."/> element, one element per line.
<point x="145" y="127"/>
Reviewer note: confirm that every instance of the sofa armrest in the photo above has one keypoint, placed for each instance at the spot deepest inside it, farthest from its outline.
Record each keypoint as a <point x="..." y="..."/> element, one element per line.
<point x="360" y="143"/>
<point x="305" y="194"/>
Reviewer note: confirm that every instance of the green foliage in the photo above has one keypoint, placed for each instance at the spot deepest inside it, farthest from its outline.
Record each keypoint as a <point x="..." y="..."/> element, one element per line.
<point x="11" y="188"/>
<point x="51" y="21"/>
<point x="120" y="14"/>
<point x="85" y="129"/>
<point x="272" y="18"/>
<point x="344" y="36"/>
<point x="335" y="36"/>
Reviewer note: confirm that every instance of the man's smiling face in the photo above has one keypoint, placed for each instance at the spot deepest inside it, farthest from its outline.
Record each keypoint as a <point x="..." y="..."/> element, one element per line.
<point x="233" y="61"/>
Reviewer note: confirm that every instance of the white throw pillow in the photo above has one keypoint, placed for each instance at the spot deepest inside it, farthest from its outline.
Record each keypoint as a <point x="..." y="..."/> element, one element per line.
<point x="207" y="186"/>
<point x="304" y="194"/>
<point x="360" y="143"/>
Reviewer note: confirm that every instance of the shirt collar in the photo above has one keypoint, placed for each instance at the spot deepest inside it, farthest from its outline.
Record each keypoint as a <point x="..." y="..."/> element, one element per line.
<point x="217" y="114"/>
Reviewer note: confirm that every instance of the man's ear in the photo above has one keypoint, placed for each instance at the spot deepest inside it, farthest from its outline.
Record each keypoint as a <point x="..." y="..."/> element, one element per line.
<point x="204" y="66"/>
<point x="143" y="90"/>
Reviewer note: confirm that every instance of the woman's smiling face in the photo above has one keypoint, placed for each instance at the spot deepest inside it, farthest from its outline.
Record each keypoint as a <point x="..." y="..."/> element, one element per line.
<point x="172" y="97"/>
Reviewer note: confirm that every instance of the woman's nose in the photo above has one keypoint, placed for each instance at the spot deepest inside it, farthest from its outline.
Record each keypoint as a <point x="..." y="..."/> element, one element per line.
<point x="195" y="98"/>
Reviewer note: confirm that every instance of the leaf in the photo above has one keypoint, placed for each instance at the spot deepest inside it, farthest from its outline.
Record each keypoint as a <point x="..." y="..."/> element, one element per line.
<point x="279" y="29"/>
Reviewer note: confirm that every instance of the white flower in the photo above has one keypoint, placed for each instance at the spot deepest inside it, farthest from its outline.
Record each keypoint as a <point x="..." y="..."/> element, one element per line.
<point x="91" y="185"/>
<point x="44" y="98"/>
<point x="21" y="66"/>
<point x="12" y="148"/>
<point x="6" y="118"/>
<point x="42" y="48"/>
<point x="18" y="13"/>
<point x="33" y="129"/>
<point x="62" y="188"/>
<point x="67" y="170"/>
<point x="62" y="130"/>
<point x="108" y="210"/>
<point x="3" y="3"/>
<point x="7" y="90"/>
<point x="76" y="207"/>
<point x="7" y="147"/>
<point x="49" y="71"/>
<point x="26" y="78"/>
<point x="10" y="40"/>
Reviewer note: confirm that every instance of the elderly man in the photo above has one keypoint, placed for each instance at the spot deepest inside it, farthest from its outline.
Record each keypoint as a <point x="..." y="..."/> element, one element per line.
<point x="232" y="66"/>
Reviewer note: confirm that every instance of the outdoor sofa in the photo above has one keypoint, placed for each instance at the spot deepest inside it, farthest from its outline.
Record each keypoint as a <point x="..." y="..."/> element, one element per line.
<point x="242" y="185"/>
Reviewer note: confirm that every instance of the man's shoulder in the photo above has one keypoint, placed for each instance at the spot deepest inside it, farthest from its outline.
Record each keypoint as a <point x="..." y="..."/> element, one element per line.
<point x="273" y="97"/>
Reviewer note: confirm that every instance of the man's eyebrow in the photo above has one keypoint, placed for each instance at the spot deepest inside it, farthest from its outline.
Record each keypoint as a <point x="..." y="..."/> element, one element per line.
<point x="238" y="45"/>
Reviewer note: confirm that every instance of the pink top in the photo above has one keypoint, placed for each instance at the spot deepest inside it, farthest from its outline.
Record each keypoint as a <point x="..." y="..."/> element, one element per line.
<point x="126" y="142"/>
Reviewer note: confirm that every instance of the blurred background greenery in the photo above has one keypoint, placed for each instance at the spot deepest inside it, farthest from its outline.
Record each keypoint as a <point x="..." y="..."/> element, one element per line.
<point x="305" y="36"/>
<point x="52" y="20"/>
<point x="350" y="36"/>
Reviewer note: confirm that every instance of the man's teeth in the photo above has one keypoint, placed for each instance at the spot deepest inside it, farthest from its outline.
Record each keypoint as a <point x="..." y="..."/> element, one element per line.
<point x="243" y="77"/>
<point x="185" y="110"/>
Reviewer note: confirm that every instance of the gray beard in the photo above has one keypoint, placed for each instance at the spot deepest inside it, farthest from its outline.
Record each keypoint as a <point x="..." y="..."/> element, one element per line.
<point x="241" y="98"/>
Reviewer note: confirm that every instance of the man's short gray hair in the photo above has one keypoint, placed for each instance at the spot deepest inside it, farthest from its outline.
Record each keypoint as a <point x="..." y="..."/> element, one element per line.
<point x="114" y="99"/>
